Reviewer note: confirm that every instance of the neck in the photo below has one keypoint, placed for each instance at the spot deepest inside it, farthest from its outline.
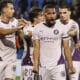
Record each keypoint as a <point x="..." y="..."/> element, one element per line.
<point x="4" y="18"/>
<point x="49" y="24"/>
<point x="34" y="23"/>
<point x="65" y="21"/>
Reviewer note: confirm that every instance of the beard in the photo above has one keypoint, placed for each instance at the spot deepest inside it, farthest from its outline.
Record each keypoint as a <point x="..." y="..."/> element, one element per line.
<point x="50" y="23"/>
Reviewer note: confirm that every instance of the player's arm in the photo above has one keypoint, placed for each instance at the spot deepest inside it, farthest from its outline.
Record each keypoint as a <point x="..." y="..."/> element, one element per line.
<point x="24" y="22"/>
<point x="36" y="48"/>
<point x="68" y="56"/>
<point x="9" y="31"/>
<point x="21" y="24"/>
<point x="36" y="54"/>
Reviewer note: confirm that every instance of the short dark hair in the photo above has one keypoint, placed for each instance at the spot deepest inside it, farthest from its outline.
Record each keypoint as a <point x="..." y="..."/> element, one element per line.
<point x="34" y="12"/>
<point x="48" y="6"/>
<point x="4" y="3"/>
<point x="65" y="5"/>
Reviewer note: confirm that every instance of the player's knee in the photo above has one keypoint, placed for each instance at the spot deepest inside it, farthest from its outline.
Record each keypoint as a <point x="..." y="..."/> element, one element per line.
<point x="8" y="79"/>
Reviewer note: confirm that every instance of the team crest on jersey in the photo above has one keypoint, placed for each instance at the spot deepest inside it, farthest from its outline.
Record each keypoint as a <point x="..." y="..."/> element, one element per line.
<point x="56" y="32"/>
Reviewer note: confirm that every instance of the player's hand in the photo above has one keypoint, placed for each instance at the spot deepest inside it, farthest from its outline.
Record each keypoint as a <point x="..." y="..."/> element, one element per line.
<point x="24" y="22"/>
<point x="71" y="70"/>
<point x="29" y="33"/>
<point x="35" y="69"/>
<point x="20" y="27"/>
<point x="72" y="32"/>
<point x="21" y="23"/>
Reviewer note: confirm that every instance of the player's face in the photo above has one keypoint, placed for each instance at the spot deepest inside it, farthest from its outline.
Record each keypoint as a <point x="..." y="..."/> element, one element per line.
<point x="64" y="14"/>
<point x="40" y="17"/>
<point x="50" y="15"/>
<point x="9" y="10"/>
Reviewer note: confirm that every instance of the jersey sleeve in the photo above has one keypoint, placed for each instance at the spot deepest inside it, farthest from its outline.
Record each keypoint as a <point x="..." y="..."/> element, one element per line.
<point x="26" y="29"/>
<point x="76" y="37"/>
<point x="15" y="23"/>
<point x="35" y="34"/>
<point x="65" y="36"/>
<point x="77" y="28"/>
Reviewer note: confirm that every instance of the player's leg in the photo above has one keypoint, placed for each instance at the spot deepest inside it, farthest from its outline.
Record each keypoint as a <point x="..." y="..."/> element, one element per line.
<point x="76" y="75"/>
<point x="10" y="71"/>
<point x="60" y="72"/>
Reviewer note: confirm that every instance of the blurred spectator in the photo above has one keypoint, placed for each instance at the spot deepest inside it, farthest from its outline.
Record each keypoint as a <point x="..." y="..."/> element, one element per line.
<point x="34" y="3"/>
<point x="69" y="1"/>
<point x="54" y="2"/>
<point x="40" y="3"/>
<point x="74" y="2"/>
<point x="23" y="5"/>
<point x="76" y="12"/>
<point x="25" y="15"/>
<point x="16" y="3"/>
<point x="29" y="4"/>
<point x="17" y="13"/>
<point x="78" y="9"/>
<point x="78" y="21"/>
<point x="19" y="46"/>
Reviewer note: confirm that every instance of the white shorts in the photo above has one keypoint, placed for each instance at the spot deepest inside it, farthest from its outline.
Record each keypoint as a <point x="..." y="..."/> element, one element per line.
<point x="7" y="69"/>
<point x="27" y="73"/>
<point x="56" y="73"/>
<point x="75" y="76"/>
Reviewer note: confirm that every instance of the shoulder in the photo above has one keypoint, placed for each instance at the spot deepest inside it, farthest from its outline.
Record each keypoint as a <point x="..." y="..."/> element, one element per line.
<point x="59" y="23"/>
<point x="14" y="22"/>
<point x="57" y="20"/>
<point x="38" y="26"/>
<point x="74" y="23"/>
<point x="28" y="28"/>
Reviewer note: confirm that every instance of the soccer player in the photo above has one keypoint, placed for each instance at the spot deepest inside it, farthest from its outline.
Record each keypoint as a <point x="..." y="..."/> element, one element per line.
<point x="8" y="27"/>
<point x="68" y="24"/>
<point x="47" y="38"/>
<point x="36" y="16"/>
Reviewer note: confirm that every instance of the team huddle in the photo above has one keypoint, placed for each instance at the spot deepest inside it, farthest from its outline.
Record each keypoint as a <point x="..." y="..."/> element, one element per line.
<point x="55" y="52"/>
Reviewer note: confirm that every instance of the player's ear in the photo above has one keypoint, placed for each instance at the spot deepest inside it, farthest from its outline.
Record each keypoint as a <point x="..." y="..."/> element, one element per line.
<point x="4" y="10"/>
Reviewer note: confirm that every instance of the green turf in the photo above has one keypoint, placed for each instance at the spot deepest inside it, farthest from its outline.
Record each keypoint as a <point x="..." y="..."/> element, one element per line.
<point x="17" y="77"/>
